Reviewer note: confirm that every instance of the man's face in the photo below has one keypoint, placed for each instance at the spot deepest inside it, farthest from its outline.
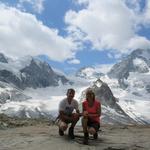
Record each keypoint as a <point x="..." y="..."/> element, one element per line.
<point x="70" y="95"/>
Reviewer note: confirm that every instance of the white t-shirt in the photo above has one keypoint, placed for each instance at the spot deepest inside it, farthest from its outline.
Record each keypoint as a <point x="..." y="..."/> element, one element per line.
<point x="68" y="108"/>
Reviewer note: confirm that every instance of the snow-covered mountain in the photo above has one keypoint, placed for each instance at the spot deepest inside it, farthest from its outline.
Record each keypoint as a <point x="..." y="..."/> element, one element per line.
<point x="133" y="73"/>
<point x="94" y="72"/>
<point x="124" y="89"/>
<point x="129" y="83"/>
<point x="29" y="72"/>
<point x="137" y="61"/>
<point x="111" y="111"/>
<point x="135" y="64"/>
<point x="88" y="73"/>
<point x="10" y="93"/>
<point x="3" y="59"/>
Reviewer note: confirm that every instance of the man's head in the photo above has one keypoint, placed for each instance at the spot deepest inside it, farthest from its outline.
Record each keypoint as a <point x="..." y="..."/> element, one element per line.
<point x="70" y="94"/>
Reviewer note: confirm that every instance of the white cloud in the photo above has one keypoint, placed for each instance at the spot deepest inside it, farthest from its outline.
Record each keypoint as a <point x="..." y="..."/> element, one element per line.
<point x="103" y="68"/>
<point x="74" y="61"/>
<point x="22" y="34"/>
<point x="139" y="42"/>
<point x="146" y="17"/>
<point x="37" y="5"/>
<point x="108" y="24"/>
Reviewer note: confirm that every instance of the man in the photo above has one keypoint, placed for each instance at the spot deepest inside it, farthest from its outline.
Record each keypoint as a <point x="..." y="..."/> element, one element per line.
<point x="66" y="115"/>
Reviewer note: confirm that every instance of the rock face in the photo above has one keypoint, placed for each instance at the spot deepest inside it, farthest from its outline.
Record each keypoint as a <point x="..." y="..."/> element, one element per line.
<point x="3" y="59"/>
<point x="8" y="77"/>
<point x="137" y="61"/>
<point x="40" y="75"/>
<point x="111" y="112"/>
<point x="31" y="73"/>
<point x="133" y="69"/>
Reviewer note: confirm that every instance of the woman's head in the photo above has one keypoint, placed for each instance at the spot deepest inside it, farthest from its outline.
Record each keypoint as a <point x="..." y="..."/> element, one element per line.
<point x="90" y="95"/>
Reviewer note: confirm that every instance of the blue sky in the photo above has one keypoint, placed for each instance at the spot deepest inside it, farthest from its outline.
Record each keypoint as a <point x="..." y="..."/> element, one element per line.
<point x="74" y="33"/>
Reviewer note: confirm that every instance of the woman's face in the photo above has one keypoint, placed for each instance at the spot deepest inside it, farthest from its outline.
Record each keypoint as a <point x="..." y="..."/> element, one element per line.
<point x="90" y="96"/>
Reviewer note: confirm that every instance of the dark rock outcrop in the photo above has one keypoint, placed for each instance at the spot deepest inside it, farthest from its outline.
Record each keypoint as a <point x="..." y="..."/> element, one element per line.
<point x="3" y="58"/>
<point x="111" y="112"/>
<point x="122" y="69"/>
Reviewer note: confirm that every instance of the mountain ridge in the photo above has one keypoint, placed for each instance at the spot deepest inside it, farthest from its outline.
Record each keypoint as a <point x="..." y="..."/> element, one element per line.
<point x="29" y="73"/>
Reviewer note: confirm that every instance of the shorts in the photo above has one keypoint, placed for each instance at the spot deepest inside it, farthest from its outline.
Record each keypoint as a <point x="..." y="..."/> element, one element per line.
<point x="66" y="121"/>
<point x="94" y="125"/>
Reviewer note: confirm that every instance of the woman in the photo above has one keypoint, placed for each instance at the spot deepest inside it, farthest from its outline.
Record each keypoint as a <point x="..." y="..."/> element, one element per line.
<point x="91" y="116"/>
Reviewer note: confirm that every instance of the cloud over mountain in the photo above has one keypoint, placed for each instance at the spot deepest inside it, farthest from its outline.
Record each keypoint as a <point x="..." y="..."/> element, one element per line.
<point x="111" y="25"/>
<point x="23" y="32"/>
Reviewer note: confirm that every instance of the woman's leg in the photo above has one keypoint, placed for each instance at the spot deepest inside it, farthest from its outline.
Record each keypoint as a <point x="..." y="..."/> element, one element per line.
<point x="85" y="129"/>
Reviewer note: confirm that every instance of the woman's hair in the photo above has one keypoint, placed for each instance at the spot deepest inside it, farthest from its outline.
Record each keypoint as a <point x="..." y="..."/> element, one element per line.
<point x="90" y="92"/>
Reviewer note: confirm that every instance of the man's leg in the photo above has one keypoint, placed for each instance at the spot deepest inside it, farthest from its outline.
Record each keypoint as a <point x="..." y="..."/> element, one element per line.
<point x="75" y="118"/>
<point x="62" y="127"/>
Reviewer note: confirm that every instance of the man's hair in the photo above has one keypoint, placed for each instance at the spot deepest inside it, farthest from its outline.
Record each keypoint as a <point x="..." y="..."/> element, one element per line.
<point x="70" y="90"/>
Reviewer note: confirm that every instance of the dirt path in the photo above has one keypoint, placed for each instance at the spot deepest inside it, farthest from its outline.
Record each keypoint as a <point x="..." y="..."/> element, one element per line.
<point x="45" y="137"/>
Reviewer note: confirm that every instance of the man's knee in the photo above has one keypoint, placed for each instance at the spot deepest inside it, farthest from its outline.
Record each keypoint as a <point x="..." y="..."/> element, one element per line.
<point x="63" y="126"/>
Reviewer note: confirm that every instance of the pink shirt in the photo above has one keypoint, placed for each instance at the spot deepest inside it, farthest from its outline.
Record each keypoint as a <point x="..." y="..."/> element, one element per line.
<point x="92" y="110"/>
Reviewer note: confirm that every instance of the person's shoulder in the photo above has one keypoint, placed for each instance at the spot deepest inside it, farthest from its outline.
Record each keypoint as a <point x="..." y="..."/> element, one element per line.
<point x="74" y="100"/>
<point x="63" y="100"/>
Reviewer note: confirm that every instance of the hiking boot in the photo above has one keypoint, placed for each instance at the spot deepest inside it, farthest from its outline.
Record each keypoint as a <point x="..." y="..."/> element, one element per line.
<point x="95" y="136"/>
<point x="61" y="133"/>
<point x="86" y="137"/>
<point x="71" y="133"/>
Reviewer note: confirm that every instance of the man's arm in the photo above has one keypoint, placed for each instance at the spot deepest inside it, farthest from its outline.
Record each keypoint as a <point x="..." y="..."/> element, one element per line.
<point x="77" y="108"/>
<point x="77" y="111"/>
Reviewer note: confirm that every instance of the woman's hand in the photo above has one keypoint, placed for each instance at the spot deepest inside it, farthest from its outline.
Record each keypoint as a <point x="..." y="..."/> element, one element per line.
<point x="85" y="113"/>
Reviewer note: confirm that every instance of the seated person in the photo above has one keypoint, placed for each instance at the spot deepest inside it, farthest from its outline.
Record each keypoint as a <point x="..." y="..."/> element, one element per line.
<point x="91" y="116"/>
<point x="66" y="115"/>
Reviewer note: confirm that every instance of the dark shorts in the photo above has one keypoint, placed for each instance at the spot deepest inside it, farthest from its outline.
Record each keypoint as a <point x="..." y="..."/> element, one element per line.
<point x="67" y="121"/>
<point x="94" y="125"/>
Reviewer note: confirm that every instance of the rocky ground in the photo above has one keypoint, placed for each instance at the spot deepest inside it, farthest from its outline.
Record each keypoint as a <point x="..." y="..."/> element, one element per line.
<point x="38" y="135"/>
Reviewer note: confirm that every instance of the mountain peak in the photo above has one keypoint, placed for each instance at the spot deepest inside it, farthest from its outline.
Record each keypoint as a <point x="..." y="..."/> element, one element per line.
<point x="30" y="71"/>
<point x="3" y="59"/>
<point x="137" y="61"/>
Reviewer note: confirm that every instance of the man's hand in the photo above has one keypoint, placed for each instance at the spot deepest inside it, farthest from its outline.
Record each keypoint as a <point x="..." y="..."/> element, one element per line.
<point x="75" y="116"/>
